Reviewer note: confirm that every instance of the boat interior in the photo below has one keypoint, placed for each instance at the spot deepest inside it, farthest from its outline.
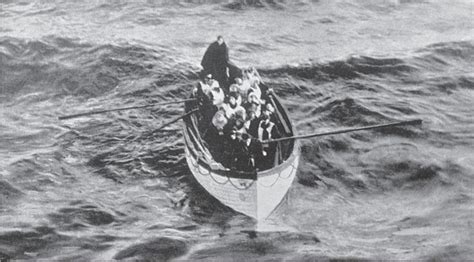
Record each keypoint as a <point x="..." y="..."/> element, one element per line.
<point x="203" y="152"/>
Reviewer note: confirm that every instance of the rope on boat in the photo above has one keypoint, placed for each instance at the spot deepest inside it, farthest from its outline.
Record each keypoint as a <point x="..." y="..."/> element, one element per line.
<point x="242" y="188"/>
<point x="209" y="173"/>
<point x="293" y="168"/>
<point x="229" y="180"/>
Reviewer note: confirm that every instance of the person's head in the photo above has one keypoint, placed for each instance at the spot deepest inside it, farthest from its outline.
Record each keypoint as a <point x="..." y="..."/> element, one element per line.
<point x="254" y="84"/>
<point x="266" y="116"/>
<point x="219" y="120"/>
<point x="245" y="137"/>
<point x="252" y="115"/>
<point x="220" y="40"/>
<point x="208" y="78"/>
<point x="248" y="73"/>
<point x="238" y="81"/>
<point x="240" y="114"/>
<point x="233" y="88"/>
<point x="232" y="100"/>
<point x="253" y="98"/>
<point x="269" y="107"/>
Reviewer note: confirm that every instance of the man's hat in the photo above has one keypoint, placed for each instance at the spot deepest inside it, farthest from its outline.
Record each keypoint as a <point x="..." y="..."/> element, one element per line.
<point x="253" y="94"/>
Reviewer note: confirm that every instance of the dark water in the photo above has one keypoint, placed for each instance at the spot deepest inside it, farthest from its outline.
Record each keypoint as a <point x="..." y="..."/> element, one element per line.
<point x="109" y="187"/>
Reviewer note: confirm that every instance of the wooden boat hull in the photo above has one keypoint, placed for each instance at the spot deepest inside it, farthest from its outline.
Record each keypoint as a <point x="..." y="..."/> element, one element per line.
<point x="256" y="198"/>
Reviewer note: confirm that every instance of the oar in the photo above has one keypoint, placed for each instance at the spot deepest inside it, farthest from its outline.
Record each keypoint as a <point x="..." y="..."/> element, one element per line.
<point x="176" y="119"/>
<point x="121" y="109"/>
<point x="410" y="122"/>
<point x="149" y="134"/>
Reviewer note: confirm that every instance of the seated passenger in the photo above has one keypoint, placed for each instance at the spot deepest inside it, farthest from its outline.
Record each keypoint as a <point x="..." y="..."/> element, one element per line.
<point x="214" y="134"/>
<point x="269" y="107"/>
<point x="267" y="130"/>
<point x="241" y="88"/>
<point x="206" y="108"/>
<point x="254" y="104"/>
<point x="251" y="124"/>
<point x="217" y="95"/>
<point x="237" y="123"/>
<point x="219" y="121"/>
<point x="256" y="90"/>
<point x="237" y="97"/>
<point x="205" y="85"/>
<point x="232" y="107"/>
<point x="271" y="111"/>
<point x="252" y="76"/>
<point x="232" y="151"/>
<point x="252" y="153"/>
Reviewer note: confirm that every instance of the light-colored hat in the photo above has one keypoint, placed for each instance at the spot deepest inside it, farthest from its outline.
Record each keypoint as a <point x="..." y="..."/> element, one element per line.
<point x="219" y="120"/>
<point x="253" y="95"/>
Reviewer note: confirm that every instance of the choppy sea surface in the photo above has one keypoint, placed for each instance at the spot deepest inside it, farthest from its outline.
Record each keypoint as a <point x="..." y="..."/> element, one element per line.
<point x="108" y="187"/>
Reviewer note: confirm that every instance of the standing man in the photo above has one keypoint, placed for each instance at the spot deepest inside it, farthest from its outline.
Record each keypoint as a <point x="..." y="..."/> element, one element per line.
<point x="267" y="130"/>
<point x="215" y="62"/>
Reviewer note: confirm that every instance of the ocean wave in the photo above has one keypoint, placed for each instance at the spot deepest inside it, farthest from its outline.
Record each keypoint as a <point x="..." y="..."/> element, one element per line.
<point x="437" y="56"/>
<point x="24" y="243"/>
<point x="243" y="4"/>
<point x="347" y="111"/>
<point x="63" y="67"/>
<point x="350" y="68"/>
<point x="8" y="192"/>
<point x="461" y="49"/>
<point x="161" y="248"/>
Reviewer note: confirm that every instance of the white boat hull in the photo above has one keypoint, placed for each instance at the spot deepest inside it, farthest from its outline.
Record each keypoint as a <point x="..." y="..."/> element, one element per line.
<point x="256" y="198"/>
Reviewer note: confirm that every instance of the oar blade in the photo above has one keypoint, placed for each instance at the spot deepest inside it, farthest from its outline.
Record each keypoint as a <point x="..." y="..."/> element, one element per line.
<point x="414" y="122"/>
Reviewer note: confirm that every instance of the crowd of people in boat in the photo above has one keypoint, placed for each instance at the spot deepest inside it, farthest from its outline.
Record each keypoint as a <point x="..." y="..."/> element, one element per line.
<point x="234" y="120"/>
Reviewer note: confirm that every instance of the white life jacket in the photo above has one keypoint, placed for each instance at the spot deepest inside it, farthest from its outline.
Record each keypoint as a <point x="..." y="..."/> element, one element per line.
<point x="256" y="91"/>
<point x="219" y="120"/>
<point x="230" y="112"/>
<point x="244" y="88"/>
<point x="214" y="83"/>
<point x="205" y="88"/>
<point x="265" y="134"/>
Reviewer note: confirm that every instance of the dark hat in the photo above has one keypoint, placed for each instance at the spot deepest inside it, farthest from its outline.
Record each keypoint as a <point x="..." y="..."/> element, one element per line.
<point x="245" y="136"/>
<point x="234" y="95"/>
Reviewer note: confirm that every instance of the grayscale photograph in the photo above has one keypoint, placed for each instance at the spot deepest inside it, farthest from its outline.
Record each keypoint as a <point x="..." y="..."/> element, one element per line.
<point x="236" y="130"/>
